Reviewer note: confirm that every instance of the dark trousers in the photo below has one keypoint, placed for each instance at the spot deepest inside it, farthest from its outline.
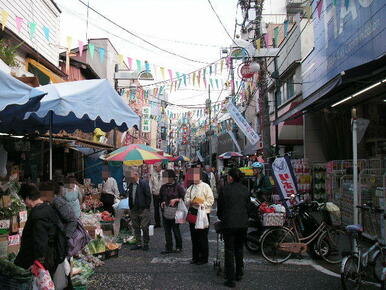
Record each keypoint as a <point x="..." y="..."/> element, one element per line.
<point x="169" y="226"/>
<point x="200" y="244"/>
<point x="108" y="201"/>
<point x="140" y="219"/>
<point x="156" y="203"/>
<point x="234" y="245"/>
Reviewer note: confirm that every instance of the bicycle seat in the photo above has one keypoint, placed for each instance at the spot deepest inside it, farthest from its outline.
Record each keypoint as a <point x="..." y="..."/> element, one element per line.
<point x="354" y="228"/>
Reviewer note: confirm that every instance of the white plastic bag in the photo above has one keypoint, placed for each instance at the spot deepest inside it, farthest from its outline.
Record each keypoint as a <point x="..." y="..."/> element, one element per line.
<point x="181" y="213"/>
<point x="202" y="219"/>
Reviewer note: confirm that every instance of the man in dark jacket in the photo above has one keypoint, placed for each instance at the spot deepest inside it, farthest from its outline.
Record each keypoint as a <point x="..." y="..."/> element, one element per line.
<point x="41" y="233"/>
<point x="139" y="196"/>
<point x="232" y="210"/>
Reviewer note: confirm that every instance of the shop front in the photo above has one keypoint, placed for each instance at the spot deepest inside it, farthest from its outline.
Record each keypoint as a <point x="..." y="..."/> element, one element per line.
<point x="346" y="74"/>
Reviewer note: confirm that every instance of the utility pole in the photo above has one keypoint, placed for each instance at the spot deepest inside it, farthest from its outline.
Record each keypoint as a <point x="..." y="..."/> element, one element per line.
<point x="116" y="89"/>
<point x="209" y="109"/>
<point x="263" y="87"/>
<point x="276" y="76"/>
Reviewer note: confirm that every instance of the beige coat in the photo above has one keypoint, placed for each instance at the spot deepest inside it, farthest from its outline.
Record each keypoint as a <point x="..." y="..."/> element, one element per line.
<point x="203" y="191"/>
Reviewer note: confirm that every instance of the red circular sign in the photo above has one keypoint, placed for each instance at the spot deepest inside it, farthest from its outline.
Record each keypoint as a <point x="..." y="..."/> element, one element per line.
<point x="246" y="72"/>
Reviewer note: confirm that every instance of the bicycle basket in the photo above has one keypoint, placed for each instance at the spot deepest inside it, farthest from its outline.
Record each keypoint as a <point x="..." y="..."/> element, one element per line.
<point x="332" y="214"/>
<point x="273" y="219"/>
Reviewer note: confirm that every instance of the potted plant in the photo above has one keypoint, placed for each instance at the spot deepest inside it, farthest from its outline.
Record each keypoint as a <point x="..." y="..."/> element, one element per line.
<point x="8" y="53"/>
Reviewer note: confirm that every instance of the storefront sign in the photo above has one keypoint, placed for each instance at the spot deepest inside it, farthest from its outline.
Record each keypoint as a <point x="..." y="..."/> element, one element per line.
<point x="347" y="34"/>
<point x="246" y="72"/>
<point x="285" y="179"/>
<point x="243" y="124"/>
<point x="146" y="119"/>
<point x="14" y="240"/>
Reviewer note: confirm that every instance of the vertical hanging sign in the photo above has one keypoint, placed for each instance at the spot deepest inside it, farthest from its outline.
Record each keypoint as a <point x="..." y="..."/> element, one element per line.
<point x="146" y="119"/>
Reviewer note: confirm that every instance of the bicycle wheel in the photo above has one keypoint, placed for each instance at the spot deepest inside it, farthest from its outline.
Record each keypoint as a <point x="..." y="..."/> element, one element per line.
<point x="270" y="245"/>
<point x="329" y="245"/>
<point x="349" y="275"/>
<point x="379" y="264"/>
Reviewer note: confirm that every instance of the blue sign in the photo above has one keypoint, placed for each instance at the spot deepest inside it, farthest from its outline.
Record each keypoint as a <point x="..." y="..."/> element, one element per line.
<point x="347" y="34"/>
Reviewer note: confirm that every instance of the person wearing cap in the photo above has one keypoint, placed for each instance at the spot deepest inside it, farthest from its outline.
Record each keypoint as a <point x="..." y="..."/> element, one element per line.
<point x="156" y="182"/>
<point x="110" y="190"/>
<point x="262" y="189"/>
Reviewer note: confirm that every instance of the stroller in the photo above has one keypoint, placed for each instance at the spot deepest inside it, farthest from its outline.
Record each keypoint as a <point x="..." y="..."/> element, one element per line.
<point x="218" y="264"/>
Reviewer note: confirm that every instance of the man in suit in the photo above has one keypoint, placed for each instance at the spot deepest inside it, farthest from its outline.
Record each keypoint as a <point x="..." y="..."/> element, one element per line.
<point x="139" y="196"/>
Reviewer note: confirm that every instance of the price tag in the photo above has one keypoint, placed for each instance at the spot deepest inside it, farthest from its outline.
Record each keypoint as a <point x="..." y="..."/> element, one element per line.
<point x="4" y="224"/>
<point x="14" y="240"/>
<point x="23" y="216"/>
<point x="99" y="232"/>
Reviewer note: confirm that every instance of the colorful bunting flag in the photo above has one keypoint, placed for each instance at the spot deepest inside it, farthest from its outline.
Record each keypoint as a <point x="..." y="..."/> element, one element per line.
<point x="162" y="69"/>
<point x="4" y="19"/>
<point x="170" y="74"/>
<point x="204" y="73"/>
<point x="69" y="42"/>
<point x="120" y="59"/>
<point x="199" y="77"/>
<point x="46" y="31"/>
<point x="101" y="54"/>
<point x="308" y="10"/>
<point x="217" y="84"/>
<point x="147" y="66"/>
<point x="80" y="45"/>
<point x="139" y="65"/>
<point x="19" y="23"/>
<point x="211" y="83"/>
<point x="319" y="7"/>
<point x="258" y="44"/>
<point x="178" y="75"/>
<point x="91" y="48"/>
<point x="194" y="78"/>
<point x="32" y="30"/>
<point x="267" y="39"/>
<point x="184" y="76"/>
<point x="155" y="71"/>
<point x="204" y="80"/>
<point x="130" y="63"/>
<point x="215" y="68"/>
<point x="276" y="35"/>
<point x="285" y="28"/>
<point x="221" y="65"/>
<point x="347" y="3"/>
<point x="210" y="70"/>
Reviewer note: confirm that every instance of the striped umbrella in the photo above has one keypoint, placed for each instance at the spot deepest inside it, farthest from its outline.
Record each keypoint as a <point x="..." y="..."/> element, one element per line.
<point x="181" y="158"/>
<point x="229" y="155"/>
<point x="133" y="155"/>
<point x="137" y="146"/>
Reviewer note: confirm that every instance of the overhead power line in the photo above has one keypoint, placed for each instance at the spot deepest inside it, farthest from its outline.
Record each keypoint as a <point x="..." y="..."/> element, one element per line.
<point x="139" y="37"/>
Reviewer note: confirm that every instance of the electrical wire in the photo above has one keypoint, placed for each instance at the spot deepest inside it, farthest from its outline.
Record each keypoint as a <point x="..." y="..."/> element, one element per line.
<point x="139" y="37"/>
<point x="222" y="24"/>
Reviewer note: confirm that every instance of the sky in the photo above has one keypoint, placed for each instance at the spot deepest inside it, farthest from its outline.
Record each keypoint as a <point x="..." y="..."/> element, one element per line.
<point x="186" y="27"/>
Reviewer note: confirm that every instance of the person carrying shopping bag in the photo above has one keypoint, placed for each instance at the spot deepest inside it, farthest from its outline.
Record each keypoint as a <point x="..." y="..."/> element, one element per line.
<point x="171" y="194"/>
<point x="198" y="195"/>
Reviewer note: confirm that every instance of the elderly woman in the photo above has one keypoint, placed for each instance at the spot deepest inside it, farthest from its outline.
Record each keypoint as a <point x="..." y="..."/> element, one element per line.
<point x="171" y="193"/>
<point x="199" y="194"/>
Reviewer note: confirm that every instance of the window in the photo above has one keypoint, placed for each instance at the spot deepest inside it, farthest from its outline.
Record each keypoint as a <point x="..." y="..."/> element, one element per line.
<point x="290" y="87"/>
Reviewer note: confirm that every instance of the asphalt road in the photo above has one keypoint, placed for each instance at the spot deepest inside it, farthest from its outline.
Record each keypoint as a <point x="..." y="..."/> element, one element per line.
<point x="151" y="270"/>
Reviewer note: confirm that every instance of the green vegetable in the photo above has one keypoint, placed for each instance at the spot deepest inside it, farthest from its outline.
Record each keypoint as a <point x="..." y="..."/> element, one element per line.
<point x="9" y="269"/>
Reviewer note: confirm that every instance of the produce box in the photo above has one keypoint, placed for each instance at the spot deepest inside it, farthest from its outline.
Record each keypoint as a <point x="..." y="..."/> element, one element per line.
<point x="273" y="219"/>
<point x="3" y="245"/>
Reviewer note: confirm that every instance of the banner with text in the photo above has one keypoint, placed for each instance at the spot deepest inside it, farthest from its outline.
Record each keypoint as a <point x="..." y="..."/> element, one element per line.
<point x="243" y="124"/>
<point x="285" y="179"/>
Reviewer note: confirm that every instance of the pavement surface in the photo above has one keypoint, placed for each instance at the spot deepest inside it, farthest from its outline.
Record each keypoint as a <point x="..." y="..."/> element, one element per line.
<point x="151" y="270"/>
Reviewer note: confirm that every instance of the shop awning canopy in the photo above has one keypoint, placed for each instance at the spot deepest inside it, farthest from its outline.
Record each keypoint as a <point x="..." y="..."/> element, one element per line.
<point x="17" y="98"/>
<point x="345" y="84"/>
<point x="83" y="105"/>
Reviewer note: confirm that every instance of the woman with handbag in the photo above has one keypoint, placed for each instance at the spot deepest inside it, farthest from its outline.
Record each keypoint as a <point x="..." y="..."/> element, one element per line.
<point x="171" y="193"/>
<point x="199" y="195"/>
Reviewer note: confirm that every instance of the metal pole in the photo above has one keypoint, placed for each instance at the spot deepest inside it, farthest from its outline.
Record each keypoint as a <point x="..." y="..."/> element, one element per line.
<point x="50" y="140"/>
<point x="355" y="164"/>
<point x="277" y="96"/>
<point x="116" y="68"/>
<point x="233" y="92"/>
<point x="210" y="127"/>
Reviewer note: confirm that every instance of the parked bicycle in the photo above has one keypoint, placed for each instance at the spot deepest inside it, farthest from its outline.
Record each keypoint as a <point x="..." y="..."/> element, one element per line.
<point x="361" y="265"/>
<point x="302" y="232"/>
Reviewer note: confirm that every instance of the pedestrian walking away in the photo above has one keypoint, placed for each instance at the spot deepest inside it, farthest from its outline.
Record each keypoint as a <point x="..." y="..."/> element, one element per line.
<point x="199" y="194"/>
<point x="139" y="203"/>
<point x="171" y="194"/>
<point x="232" y="211"/>
<point x="156" y="182"/>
